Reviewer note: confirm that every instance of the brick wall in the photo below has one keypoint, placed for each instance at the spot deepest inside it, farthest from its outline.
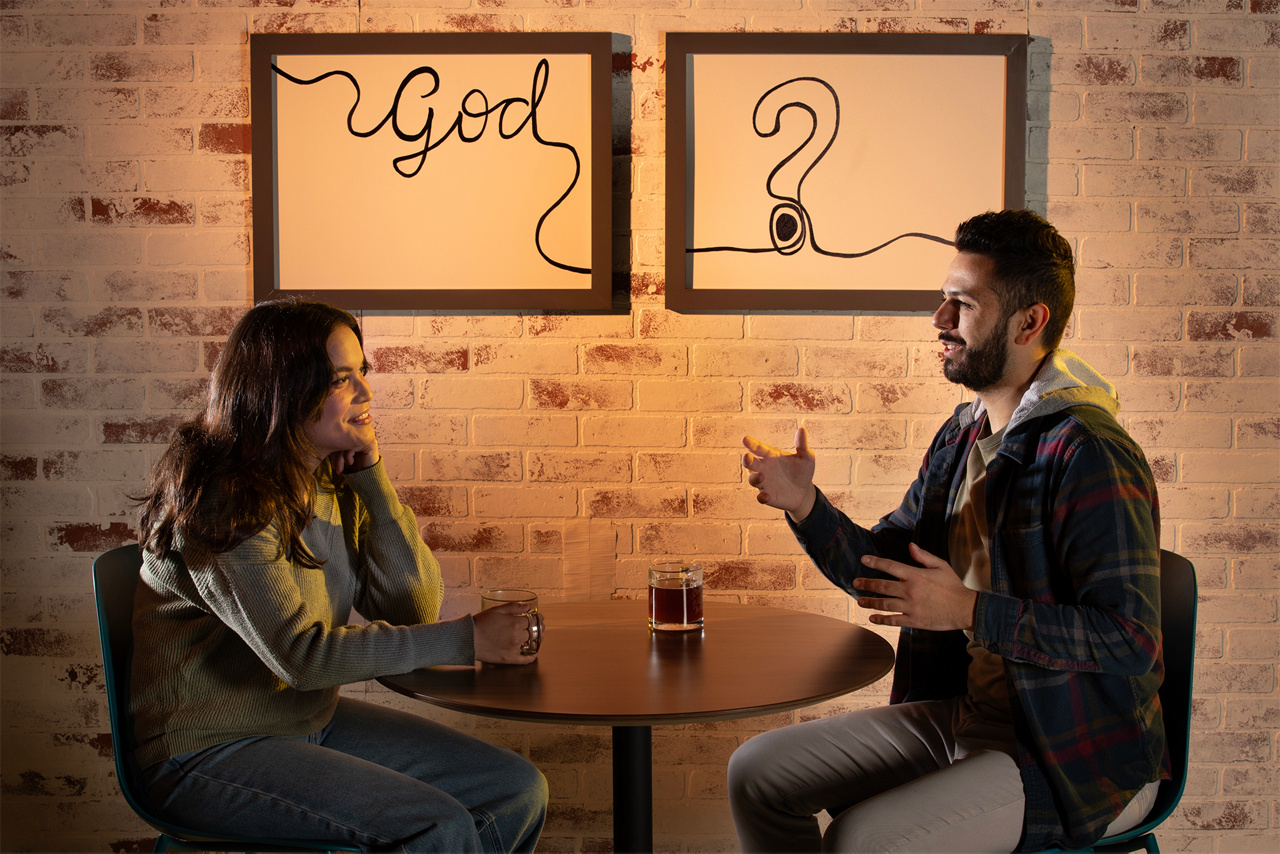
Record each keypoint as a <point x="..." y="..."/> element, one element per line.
<point x="124" y="160"/>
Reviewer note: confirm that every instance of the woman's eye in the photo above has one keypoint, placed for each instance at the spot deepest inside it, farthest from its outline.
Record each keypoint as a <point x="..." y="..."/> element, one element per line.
<point x="339" y="381"/>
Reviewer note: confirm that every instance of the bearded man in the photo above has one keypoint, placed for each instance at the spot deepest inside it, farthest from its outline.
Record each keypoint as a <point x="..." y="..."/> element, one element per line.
<point x="1023" y="567"/>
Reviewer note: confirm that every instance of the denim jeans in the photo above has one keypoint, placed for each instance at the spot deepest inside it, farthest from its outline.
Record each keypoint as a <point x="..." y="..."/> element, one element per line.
<point x="378" y="778"/>
<point x="918" y="777"/>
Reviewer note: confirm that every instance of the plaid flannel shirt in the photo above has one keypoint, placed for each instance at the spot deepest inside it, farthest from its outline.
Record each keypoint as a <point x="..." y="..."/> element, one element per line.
<point x="1074" y="608"/>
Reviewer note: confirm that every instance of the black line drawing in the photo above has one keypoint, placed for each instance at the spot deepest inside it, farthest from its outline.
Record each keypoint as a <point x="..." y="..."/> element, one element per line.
<point x="474" y="106"/>
<point x="790" y="224"/>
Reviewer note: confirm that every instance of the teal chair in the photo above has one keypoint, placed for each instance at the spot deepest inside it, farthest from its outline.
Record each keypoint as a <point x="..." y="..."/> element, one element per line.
<point x="1178" y="626"/>
<point x="115" y="577"/>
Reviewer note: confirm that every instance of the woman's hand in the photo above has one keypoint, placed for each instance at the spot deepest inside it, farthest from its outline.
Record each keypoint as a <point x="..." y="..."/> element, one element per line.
<point x="502" y="631"/>
<point x="355" y="460"/>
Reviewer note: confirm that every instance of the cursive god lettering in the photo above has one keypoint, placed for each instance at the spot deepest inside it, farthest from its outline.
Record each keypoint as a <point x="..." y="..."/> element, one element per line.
<point x="469" y="124"/>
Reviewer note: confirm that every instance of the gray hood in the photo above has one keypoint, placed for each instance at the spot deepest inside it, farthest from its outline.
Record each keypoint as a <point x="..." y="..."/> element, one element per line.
<point x="1064" y="379"/>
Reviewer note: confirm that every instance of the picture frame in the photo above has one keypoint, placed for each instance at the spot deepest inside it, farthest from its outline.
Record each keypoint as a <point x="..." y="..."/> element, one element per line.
<point x="828" y="171"/>
<point x="457" y="171"/>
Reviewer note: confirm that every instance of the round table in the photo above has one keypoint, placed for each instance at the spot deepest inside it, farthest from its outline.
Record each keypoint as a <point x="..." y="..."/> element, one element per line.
<point x="600" y="664"/>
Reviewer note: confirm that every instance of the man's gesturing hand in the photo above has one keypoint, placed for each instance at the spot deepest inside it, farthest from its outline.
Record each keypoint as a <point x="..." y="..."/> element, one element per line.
<point x="785" y="480"/>
<point x="929" y="596"/>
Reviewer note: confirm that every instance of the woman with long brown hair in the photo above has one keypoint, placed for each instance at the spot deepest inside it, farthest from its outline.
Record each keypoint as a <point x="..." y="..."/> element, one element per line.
<point x="267" y="520"/>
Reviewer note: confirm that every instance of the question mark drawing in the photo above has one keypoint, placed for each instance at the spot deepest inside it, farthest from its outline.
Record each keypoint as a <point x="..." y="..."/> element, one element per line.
<point x="790" y="224"/>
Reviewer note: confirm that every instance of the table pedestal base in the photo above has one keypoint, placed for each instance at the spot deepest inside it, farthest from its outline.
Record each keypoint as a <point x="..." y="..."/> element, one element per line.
<point x="632" y="789"/>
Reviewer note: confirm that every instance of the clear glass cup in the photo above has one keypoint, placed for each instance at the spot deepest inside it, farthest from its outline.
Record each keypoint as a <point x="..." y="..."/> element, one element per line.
<point x="507" y="596"/>
<point x="675" y="597"/>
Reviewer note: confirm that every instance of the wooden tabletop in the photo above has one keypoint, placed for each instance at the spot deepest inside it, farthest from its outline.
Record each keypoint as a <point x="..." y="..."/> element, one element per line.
<point x="600" y="664"/>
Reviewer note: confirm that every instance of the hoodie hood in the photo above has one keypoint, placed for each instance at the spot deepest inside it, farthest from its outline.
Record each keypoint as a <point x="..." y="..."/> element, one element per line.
<point x="1064" y="380"/>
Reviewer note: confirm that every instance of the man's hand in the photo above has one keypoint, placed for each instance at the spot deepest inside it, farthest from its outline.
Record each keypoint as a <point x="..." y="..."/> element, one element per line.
<point x="500" y="632"/>
<point x="930" y="596"/>
<point x="785" y="481"/>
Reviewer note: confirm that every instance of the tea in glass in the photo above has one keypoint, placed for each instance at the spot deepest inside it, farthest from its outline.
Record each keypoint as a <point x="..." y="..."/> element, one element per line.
<point x="675" y="597"/>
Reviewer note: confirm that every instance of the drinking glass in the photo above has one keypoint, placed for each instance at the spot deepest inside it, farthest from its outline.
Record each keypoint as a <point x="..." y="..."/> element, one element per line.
<point x="507" y="596"/>
<point x="675" y="597"/>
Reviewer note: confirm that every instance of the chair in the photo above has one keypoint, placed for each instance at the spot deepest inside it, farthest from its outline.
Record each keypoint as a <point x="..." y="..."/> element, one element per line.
<point x="1178" y="627"/>
<point x="115" y="577"/>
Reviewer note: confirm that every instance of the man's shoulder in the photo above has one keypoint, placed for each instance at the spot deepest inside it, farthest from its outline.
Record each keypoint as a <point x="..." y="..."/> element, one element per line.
<point x="1074" y="426"/>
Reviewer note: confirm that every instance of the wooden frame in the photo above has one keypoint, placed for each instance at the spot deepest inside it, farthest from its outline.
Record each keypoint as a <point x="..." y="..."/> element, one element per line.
<point x="933" y="132"/>
<point x="433" y="171"/>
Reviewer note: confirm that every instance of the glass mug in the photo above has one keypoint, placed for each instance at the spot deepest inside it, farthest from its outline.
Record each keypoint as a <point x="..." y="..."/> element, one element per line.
<point x="675" y="597"/>
<point x="493" y="598"/>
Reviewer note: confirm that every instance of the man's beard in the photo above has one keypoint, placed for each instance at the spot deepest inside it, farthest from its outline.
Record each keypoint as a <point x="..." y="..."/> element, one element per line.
<point x="981" y="364"/>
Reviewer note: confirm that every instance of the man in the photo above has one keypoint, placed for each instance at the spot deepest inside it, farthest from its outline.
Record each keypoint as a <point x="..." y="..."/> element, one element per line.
<point x="1023" y="569"/>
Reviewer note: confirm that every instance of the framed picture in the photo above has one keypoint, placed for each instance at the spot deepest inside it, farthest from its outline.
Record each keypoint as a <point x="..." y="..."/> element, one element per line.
<point x="436" y="171"/>
<point x="829" y="171"/>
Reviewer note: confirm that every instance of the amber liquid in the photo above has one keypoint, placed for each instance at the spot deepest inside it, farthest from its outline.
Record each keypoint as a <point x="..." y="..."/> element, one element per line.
<point x="674" y="606"/>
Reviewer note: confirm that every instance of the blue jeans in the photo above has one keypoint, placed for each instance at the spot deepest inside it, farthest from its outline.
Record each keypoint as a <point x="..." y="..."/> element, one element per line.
<point x="378" y="778"/>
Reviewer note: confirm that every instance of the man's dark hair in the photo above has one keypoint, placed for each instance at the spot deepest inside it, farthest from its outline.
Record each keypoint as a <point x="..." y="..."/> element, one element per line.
<point x="1033" y="263"/>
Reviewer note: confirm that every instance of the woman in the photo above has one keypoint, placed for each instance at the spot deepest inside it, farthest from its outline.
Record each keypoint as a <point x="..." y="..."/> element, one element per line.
<point x="267" y="520"/>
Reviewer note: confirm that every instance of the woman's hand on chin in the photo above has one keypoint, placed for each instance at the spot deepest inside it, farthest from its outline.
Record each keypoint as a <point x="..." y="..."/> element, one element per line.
<point x="355" y="460"/>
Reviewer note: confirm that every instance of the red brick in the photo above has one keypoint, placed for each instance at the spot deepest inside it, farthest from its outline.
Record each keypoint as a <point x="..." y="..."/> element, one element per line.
<point x="207" y="321"/>
<point x="570" y="467"/>
<point x="421" y="426"/>
<point x="579" y="394"/>
<point x="668" y="359"/>
<point x="148" y="430"/>
<point x="45" y="643"/>
<point x="142" y="67"/>
<point x="148" y="285"/>
<point x="419" y="359"/>
<point x="526" y="357"/>
<point x="656" y="323"/>
<point x="88" y="537"/>
<point x="525" y="571"/>
<point x="142" y="211"/>
<point x="748" y="574"/>
<point x="92" y="393"/>
<point x="1188" y="216"/>
<point x="86" y="465"/>
<point x="18" y="467"/>
<point x="1185" y="288"/>
<point x="1235" y="538"/>
<point x="688" y="468"/>
<point x="57" y="358"/>
<point x="1175" y="360"/>
<point x="44" y="286"/>
<point x="1195" y="144"/>
<point x="453" y="465"/>
<point x="1092" y="69"/>
<point x="1261" y="290"/>
<point x="427" y="501"/>
<point x="1161" y="70"/>
<point x="471" y="537"/>
<point x="735" y="360"/>
<point x="63" y="30"/>
<point x="114" y="321"/>
<point x="728" y="432"/>
<point x="733" y="503"/>
<point x="675" y="538"/>
<point x="1136" y="107"/>
<point x="226" y="138"/>
<point x="652" y="502"/>
<point x="1230" y="326"/>
<point x="801" y="397"/>
<point x="1261" y="218"/>
<point x="1235" y="181"/>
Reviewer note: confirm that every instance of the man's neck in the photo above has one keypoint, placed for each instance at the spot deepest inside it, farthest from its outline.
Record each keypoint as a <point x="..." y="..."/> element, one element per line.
<point x="1001" y="399"/>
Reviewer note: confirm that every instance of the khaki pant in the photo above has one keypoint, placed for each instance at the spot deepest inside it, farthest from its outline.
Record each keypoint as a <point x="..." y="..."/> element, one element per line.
<point x="918" y="777"/>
